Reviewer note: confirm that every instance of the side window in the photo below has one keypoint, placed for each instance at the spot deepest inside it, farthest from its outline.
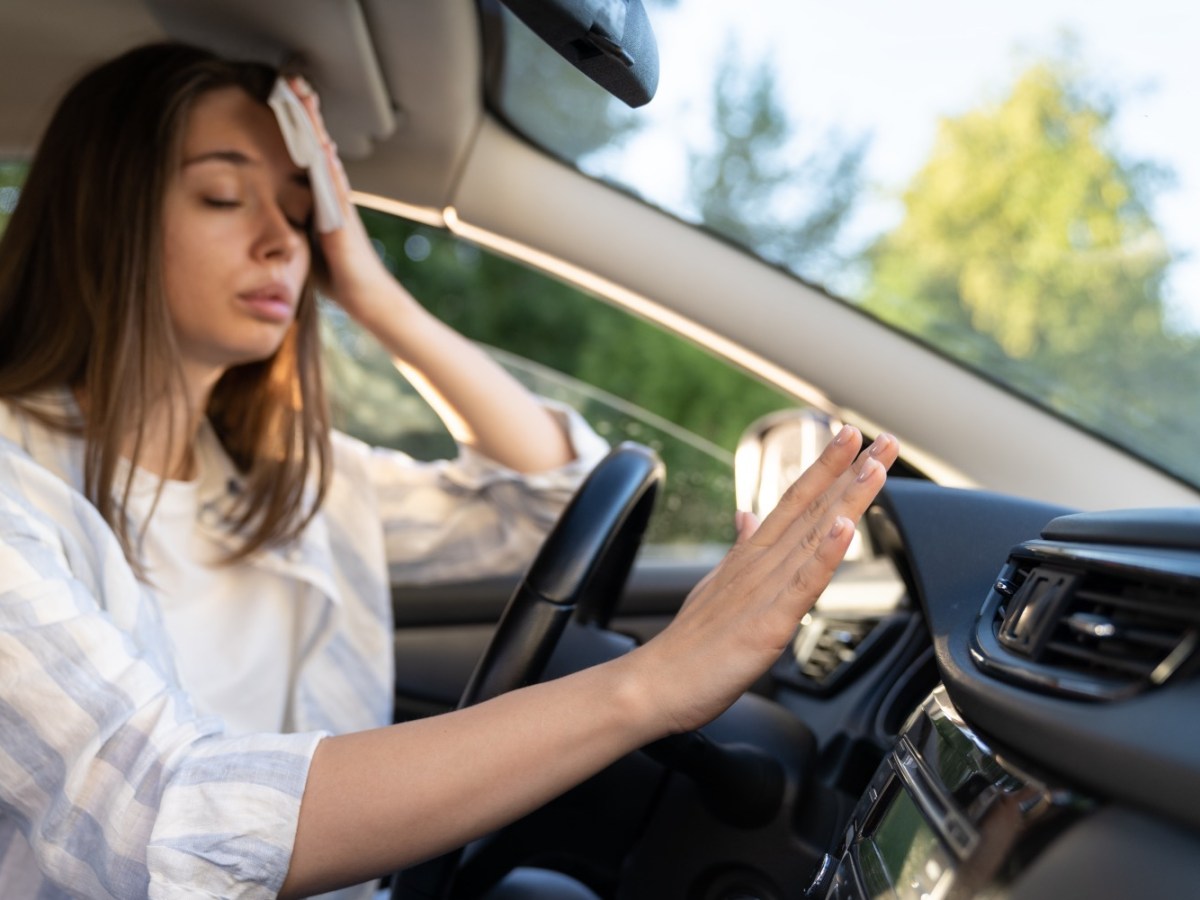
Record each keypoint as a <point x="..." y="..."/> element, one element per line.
<point x="630" y="379"/>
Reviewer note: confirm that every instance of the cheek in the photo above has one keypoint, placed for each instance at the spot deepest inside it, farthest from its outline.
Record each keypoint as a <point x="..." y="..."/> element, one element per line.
<point x="302" y="261"/>
<point x="192" y="261"/>
<point x="192" y="280"/>
<point x="182" y="277"/>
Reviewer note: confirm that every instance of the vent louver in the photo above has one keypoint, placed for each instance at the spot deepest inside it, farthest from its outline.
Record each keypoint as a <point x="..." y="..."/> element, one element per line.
<point x="827" y="645"/>
<point x="1080" y="624"/>
<point x="827" y="652"/>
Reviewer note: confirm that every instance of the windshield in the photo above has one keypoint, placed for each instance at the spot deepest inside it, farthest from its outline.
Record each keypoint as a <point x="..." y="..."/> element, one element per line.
<point x="1015" y="184"/>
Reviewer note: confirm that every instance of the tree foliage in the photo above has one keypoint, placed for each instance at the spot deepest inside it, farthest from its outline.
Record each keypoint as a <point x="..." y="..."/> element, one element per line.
<point x="1027" y="227"/>
<point x="758" y="186"/>
<point x="1028" y="249"/>
<point x="504" y="304"/>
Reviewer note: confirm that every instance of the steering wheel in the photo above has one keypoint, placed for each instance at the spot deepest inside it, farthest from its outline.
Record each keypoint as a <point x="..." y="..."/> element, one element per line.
<point x="577" y="575"/>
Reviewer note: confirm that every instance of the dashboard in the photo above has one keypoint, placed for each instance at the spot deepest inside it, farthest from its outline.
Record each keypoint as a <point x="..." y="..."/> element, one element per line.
<point x="1057" y="751"/>
<point x="997" y="699"/>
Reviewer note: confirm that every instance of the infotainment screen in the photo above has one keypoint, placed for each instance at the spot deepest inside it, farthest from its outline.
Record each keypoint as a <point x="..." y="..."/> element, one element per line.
<point x="901" y="853"/>
<point x="918" y="829"/>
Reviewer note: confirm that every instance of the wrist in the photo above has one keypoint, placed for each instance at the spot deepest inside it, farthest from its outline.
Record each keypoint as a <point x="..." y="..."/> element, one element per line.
<point x="635" y="699"/>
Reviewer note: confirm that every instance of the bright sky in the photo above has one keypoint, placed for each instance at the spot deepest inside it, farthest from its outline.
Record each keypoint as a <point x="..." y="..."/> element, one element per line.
<point x="892" y="68"/>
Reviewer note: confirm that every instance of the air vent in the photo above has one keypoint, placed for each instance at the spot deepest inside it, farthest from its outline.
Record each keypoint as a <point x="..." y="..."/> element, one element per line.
<point x="828" y="644"/>
<point x="1090" y="626"/>
<point x="827" y="651"/>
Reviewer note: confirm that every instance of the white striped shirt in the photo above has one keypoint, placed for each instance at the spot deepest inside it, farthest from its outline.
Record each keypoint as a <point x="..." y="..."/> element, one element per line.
<point x="111" y="784"/>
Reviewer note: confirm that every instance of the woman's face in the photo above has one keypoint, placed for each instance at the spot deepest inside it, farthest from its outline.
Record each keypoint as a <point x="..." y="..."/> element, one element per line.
<point x="235" y="251"/>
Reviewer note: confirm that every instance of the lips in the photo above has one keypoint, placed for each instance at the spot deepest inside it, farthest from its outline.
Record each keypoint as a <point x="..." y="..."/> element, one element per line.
<point x="270" y="302"/>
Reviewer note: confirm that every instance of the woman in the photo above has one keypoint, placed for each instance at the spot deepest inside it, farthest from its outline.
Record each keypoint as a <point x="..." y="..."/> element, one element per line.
<point x="194" y="623"/>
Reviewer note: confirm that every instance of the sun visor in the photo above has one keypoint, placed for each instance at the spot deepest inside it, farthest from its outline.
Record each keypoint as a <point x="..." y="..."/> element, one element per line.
<point x="326" y="40"/>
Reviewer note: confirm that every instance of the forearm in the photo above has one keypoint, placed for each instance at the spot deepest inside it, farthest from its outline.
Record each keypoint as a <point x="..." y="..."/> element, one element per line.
<point x="380" y="800"/>
<point x="481" y="404"/>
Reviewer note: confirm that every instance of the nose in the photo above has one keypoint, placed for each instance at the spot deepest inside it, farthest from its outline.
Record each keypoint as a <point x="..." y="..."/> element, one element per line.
<point x="277" y="238"/>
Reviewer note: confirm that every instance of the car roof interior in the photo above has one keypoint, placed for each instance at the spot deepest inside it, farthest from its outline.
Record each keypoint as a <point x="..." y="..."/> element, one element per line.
<point x="410" y="120"/>
<point x="380" y="104"/>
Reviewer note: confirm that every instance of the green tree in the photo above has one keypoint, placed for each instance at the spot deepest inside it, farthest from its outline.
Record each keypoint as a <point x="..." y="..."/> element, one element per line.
<point x="757" y="186"/>
<point x="504" y="304"/>
<point x="1028" y="249"/>
<point x="498" y="302"/>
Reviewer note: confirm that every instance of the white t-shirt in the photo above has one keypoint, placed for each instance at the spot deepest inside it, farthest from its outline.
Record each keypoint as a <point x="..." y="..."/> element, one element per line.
<point x="234" y="628"/>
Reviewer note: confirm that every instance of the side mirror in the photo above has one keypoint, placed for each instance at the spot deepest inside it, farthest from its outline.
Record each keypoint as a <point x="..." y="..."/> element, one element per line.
<point x="609" y="41"/>
<point x="772" y="453"/>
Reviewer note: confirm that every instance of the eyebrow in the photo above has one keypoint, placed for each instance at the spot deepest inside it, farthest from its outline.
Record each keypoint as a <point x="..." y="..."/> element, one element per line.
<point x="238" y="158"/>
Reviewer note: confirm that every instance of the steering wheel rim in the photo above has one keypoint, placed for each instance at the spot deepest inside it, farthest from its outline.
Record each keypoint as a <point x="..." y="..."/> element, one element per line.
<point x="577" y="574"/>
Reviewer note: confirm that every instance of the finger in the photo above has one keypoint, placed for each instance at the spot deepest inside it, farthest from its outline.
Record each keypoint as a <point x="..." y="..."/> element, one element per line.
<point x="806" y="499"/>
<point x="884" y="448"/>
<point x="338" y="169"/>
<point x="847" y="500"/>
<point x="746" y="524"/>
<point x="815" y="554"/>
<point x="312" y="105"/>
<point x="853" y="501"/>
<point x="795" y="529"/>
<point x="814" y="575"/>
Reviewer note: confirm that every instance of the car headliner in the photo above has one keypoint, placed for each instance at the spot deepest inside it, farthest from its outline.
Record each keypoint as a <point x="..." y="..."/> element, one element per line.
<point x="401" y="82"/>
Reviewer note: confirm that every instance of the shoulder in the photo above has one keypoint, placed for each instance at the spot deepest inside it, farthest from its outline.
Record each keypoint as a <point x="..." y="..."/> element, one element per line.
<point x="32" y="487"/>
<point x="42" y="518"/>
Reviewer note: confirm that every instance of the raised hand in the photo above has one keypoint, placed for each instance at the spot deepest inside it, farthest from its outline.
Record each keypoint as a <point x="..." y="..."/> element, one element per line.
<point x="356" y="276"/>
<point x="739" y="619"/>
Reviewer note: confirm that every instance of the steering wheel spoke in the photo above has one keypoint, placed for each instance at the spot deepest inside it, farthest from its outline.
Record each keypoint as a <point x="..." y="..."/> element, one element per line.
<point x="576" y="578"/>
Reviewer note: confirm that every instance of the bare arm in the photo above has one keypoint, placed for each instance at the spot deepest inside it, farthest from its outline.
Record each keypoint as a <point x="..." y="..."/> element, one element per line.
<point x="480" y="403"/>
<point x="380" y="800"/>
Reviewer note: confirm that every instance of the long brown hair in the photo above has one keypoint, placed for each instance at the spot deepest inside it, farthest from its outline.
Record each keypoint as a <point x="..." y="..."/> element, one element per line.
<point x="82" y="303"/>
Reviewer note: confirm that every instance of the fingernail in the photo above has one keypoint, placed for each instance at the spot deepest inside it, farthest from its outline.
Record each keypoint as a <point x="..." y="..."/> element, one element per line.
<point x="879" y="445"/>
<point x="301" y="86"/>
<point x="843" y="436"/>
<point x="739" y="520"/>
<point x="839" y="525"/>
<point x="868" y="470"/>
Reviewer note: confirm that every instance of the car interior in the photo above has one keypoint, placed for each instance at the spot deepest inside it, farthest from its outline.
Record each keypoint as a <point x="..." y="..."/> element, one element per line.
<point x="995" y="697"/>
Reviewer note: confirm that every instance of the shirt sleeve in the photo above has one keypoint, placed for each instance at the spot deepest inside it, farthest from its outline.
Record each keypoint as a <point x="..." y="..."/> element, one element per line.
<point x="114" y="783"/>
<point x="472" y="517"/>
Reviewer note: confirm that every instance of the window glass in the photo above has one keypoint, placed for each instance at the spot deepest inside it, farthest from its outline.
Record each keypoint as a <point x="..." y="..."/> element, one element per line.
<point x="630" y="379"/>
<point x="1016" y="184"/>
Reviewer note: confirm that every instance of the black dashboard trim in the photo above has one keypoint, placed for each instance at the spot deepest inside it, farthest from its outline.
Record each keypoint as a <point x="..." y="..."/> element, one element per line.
<point x="1144" y="751"/>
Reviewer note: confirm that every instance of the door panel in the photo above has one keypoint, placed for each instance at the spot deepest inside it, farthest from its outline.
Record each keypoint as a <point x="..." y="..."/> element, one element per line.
<point x="441" y="631"/>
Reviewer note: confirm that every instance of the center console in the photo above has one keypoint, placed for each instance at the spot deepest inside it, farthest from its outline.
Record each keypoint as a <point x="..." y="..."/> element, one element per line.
<point x="944" y="816"/>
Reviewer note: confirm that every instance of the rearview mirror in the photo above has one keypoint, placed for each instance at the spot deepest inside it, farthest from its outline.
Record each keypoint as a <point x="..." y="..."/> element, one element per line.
<point x="609" y="41"/>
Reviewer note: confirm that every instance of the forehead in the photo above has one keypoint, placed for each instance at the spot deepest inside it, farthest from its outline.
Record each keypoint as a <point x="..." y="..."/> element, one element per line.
<point x="229" y="119"/>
